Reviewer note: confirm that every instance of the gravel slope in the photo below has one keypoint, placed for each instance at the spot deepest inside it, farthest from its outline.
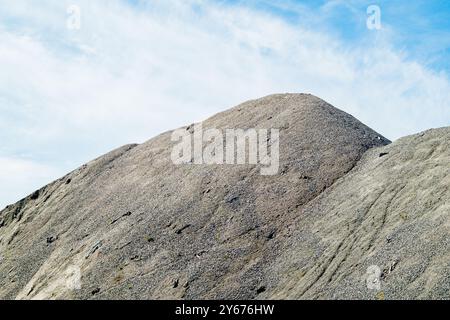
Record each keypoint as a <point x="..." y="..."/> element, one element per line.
<point x="139" y="227"/>
<point x="391" y="213"/>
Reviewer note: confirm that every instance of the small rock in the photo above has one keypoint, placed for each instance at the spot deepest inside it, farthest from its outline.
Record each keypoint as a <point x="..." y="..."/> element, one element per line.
<point x="94" y="249"/>
<point x="271" y="235"/>
<point x="95" y="291"/>
<point x="380" y="296"/>
<point x="52" y="239"/>
<point x="260" y="290"/>
<point x="35" y="195"/>
<point x="135" y="258"/>
<point x="199" y="254"/>
<point x="179" y="231"/>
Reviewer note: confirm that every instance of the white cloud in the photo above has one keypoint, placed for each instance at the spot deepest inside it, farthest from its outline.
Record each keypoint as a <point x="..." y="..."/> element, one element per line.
<point x="128" y="74"/>
<point x="21" y="177"/>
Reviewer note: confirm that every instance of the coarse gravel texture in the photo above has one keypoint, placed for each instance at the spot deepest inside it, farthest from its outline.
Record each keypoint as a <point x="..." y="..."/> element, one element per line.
<point x="390" y="214"/>
<point x="138" y="226"/>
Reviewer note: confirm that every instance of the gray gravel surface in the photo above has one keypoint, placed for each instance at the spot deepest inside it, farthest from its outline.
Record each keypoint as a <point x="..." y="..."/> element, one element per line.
<point x="137" y="226"/>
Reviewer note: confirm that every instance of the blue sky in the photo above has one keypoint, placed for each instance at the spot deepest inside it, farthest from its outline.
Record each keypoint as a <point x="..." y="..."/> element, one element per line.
<point x="421" y="28"/>
<point x="136" y="68"/>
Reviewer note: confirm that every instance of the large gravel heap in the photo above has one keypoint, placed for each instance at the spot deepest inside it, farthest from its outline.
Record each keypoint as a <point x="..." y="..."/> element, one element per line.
<point x="348" y="216"/>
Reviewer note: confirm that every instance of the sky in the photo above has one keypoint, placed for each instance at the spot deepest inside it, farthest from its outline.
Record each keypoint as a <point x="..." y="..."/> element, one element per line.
<point x="79" y="78"/>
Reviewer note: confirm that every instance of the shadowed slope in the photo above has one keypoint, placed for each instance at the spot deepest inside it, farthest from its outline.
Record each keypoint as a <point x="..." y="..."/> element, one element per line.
<point x="391" y="215"/>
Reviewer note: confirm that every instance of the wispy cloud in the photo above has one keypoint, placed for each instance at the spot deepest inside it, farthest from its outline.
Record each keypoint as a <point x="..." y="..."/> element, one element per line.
<point x="136" y="68"/>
